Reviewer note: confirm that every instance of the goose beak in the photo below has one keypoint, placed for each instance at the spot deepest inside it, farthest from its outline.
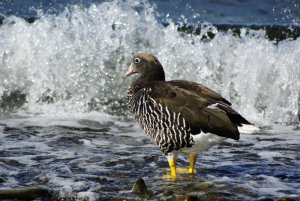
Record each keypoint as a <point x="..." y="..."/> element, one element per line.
<point x="129" y="71"/>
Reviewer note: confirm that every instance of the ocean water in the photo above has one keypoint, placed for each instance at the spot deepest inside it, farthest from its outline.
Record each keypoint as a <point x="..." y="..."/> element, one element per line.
<point x="63" y="120"/>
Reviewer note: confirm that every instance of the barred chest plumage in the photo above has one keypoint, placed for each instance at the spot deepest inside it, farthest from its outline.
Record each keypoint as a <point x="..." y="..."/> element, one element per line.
<point x="166" y="129"/>
<point x="179" y="114"/>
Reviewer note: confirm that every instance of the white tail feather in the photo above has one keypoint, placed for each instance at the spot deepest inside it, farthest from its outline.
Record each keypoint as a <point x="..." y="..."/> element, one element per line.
<point x="248" y="129"/>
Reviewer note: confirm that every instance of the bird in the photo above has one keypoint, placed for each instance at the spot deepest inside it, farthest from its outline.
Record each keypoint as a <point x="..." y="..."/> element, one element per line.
<point x="179" y="116"/>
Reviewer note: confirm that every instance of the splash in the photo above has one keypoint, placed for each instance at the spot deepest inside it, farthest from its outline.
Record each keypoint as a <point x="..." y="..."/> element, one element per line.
<point x="73" y="62"/>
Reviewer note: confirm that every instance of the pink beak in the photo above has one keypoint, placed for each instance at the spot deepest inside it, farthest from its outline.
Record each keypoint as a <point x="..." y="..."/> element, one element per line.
<point x="129" y="71"/>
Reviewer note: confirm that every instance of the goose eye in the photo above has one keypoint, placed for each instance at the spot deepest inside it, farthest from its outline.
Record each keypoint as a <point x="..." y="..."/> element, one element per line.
<point x="137" y="60"/>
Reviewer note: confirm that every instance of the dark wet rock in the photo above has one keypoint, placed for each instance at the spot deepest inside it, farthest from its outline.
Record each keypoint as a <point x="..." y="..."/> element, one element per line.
<point x="265" y="199"/>
<point x="218" y="196"/>
<point x="139" y="187"/>
<point x="192" y="198"/>
<point x="214" y="196"/>
<point x="30" y="193"/>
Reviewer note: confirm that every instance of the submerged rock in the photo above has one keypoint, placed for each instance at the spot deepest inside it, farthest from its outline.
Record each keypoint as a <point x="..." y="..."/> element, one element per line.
<point x="27" y="193"/>
<point x="139" y="187"/>
<point x="206" y="197"/>
<point x="266" y="199"/>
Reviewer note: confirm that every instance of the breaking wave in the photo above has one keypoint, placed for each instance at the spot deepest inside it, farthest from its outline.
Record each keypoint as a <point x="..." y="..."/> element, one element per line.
<point x="73" y="62"/>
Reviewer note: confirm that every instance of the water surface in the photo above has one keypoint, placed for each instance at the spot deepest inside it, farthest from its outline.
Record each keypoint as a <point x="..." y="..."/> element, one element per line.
<point x="64" y="124"/>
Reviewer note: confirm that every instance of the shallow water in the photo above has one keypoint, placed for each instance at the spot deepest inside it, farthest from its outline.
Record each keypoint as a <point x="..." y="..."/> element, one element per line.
<point x="105" y="155"/>
<point x="64" y="125"/>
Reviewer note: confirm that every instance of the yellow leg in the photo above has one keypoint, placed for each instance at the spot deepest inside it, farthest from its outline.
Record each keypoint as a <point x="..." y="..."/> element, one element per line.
<point x="192" y="159"/>
<point x="172" y="163"/>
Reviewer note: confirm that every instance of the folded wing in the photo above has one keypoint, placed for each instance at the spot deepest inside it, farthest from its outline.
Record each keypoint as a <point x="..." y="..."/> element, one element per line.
<point x="203" y="109"/>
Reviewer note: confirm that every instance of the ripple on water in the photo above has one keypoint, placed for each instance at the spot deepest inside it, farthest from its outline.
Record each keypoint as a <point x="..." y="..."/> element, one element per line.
<point x="62" y="67"/>
<point x="109" y="170"/>
<point x="107" y="163"/>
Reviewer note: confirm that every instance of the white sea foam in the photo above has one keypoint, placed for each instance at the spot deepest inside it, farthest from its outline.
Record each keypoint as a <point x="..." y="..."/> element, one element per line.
<point x="76" y="120"/>
<point x="70" y="65"/>
<point x="249" y="129"/>
<point x="89" y="196"/>
<point x="270" y="185"/>
<point x="72" y="62"/>
<point x="271" y="154"/>
<point x="85" y="142"/>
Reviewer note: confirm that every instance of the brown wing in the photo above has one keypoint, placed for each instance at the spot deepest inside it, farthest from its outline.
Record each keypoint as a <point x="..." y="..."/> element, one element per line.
<point x="200" y="90"/>
<point x="192" y="105"/>
<point x="211" y="98"/>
